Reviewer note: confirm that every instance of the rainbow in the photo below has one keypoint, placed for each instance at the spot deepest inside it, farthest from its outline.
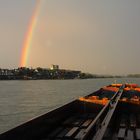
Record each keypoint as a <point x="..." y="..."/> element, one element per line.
<point x="29" y="35"/>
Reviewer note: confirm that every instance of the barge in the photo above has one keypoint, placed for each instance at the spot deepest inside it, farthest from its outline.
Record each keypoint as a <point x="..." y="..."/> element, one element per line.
<point x="111" y="113"/>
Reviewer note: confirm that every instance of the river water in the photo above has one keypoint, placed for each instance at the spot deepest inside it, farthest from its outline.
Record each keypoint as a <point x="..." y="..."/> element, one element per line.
<point x="21" y="101"/>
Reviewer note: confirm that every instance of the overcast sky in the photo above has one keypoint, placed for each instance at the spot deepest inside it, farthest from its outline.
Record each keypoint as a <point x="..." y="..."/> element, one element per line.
<point x="96" y="36"/>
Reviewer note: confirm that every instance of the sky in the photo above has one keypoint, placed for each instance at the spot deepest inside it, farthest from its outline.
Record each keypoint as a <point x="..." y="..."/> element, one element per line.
<point x="101" y="37"/>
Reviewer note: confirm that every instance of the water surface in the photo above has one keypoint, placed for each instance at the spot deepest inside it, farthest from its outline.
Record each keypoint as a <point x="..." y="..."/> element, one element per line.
<point x="22" y="100"/>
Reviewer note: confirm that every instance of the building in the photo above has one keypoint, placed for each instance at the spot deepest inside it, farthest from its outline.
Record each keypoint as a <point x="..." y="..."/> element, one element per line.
<point x="54" y="67"/>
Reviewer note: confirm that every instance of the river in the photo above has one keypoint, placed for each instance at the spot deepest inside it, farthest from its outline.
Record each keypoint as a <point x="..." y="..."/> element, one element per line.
<point x="21" y="101"/>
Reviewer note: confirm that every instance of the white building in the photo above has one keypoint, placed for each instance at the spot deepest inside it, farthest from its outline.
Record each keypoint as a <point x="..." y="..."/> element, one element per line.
<point x="54" y="67"/>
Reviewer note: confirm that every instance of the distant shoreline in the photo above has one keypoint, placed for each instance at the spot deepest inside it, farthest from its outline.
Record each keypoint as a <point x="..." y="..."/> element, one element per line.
<point x="24" y="73"/>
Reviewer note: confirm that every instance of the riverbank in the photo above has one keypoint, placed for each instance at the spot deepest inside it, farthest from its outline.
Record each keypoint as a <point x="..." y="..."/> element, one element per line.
<point x="24" y="73"/>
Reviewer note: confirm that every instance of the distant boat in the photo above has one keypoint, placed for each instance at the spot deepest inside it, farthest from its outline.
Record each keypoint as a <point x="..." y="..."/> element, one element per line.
<point x="112" y="112"/>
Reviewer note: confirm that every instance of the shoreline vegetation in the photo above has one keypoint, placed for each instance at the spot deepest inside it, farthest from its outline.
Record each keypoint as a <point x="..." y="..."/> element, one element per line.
<point x="24" y="73"/>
